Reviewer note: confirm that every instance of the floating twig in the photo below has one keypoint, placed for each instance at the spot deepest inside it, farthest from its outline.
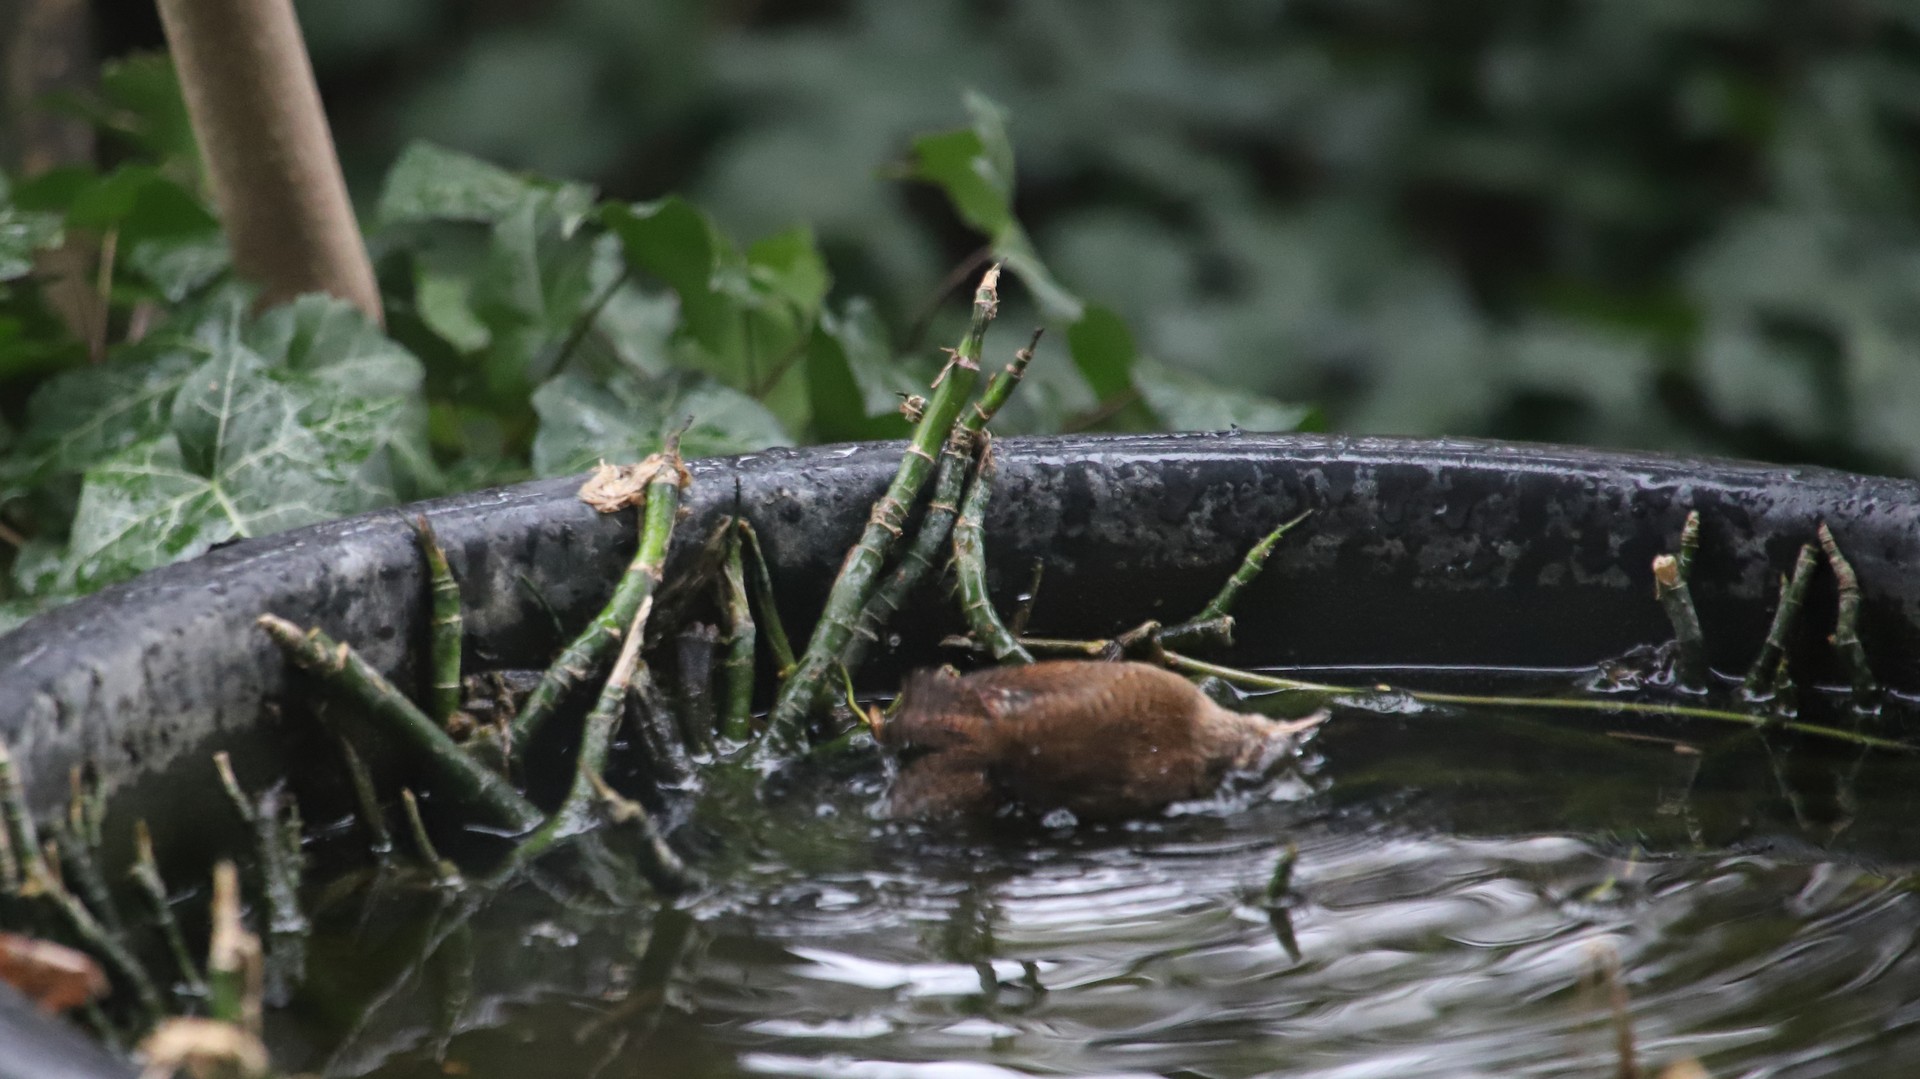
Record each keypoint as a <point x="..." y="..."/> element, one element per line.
<point x="736" y="716"/>
<point x="146" y="876"/>
<point x="1846" y="624"/>
<point x="929" y="541"/>
<point x="970" y="566"/>
<point x="1255" y="680"/>
<point x="786" y="723"/>
<point x="448" y="627"/>
<point x="345" y="671"/>
<point x="657" y="481"/>
<point x="1761" y="677"/>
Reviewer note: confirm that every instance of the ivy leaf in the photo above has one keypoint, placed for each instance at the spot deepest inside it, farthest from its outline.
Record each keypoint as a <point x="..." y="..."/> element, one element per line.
<point x="853" y="384"/>
<point x="626" y="418"/>
<point x="367" y="405"/>
<point x="251" y="450"/>
<point x="974" y="167"/>
<point x="140" y="100"/>
<point x="139" y="509"/>
<point x="748" y="317"/>
<point x="430" y="183"/>
<point x="1103" y="351"/>
<point x="330" y="339"/>
<point x="1187" y="402"/>
<point x="788" y="265"/>
<point x="676" y="243"/>
<point x="23" y="232"/>
<point x="535" y="283"/>
<point x="77" y="418"/>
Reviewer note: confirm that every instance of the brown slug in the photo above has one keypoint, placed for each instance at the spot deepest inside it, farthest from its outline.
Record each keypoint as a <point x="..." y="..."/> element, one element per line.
<point x="1102" y="740"/>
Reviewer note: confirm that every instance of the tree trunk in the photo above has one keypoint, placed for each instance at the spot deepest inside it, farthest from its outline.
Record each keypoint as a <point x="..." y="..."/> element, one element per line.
<point x="269" y="156"/>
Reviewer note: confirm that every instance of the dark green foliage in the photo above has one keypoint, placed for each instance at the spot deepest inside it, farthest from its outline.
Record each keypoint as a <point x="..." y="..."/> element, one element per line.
<point x="532" y="328"/>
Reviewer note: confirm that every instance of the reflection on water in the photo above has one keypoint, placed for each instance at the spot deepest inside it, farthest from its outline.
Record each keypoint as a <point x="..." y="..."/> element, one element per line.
<point x="1457" y="877"/>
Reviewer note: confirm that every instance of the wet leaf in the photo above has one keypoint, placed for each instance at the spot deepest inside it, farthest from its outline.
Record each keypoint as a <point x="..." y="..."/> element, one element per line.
<point x="626" y="419"/>
<point x="1186" y="402"/>
<point x="854" y="383"/>
<point x="53" y="976"/>
<point x="23" y="232"/>
<point x="251" y="448"/>
<point x="431" y="183"/>
<point x="78" y="418"/>
<point x="974" y="168"/>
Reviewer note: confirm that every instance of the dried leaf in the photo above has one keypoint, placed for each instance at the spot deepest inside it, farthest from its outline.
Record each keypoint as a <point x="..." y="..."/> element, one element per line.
<point x="53" y="976"/>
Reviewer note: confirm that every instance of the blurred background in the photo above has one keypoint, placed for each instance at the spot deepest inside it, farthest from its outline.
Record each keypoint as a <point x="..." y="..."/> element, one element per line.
<point x="1629" y="223"/>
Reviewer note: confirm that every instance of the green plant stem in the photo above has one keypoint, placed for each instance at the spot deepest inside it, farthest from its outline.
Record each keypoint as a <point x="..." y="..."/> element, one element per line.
<point x="1846" y="624"/>
<point x="762" y="581"/>
<point x="1557" y="704"/>
<point x="1221" y="605"/>
<point x="448" y="627"/>
<point x="970" y="566"/>
<point x="736" y="719"/>
<point x="146" y="876"/>
<point x="578" y="662"/>
<point x="275" y="819"/>
<point x="663" y="868"/>
<point x="786" y="724"/>
<point x="343" y="669"/>
<point x="372" y="815"/>
<point x="80" y="844"/>
<point x="576" y="814"/>
<point x="1793" y="593"/>
<point x="445" y="873"/>
<point x="23" y="837"/>
<point x="1280" y="883"/>
<point x="234" y="976"/>
<point x="1670" y="588"/>
<point x="936" y="523"/>
<point x="87" y="928"/>
<point x="1689" y="544"/>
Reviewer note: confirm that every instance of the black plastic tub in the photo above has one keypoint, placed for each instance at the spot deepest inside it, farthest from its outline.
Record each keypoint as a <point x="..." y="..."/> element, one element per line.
<point x="1423" y="553"/>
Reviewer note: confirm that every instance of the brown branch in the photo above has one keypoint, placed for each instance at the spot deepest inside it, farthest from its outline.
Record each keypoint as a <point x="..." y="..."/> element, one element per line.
<point x="257" y="117"/>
